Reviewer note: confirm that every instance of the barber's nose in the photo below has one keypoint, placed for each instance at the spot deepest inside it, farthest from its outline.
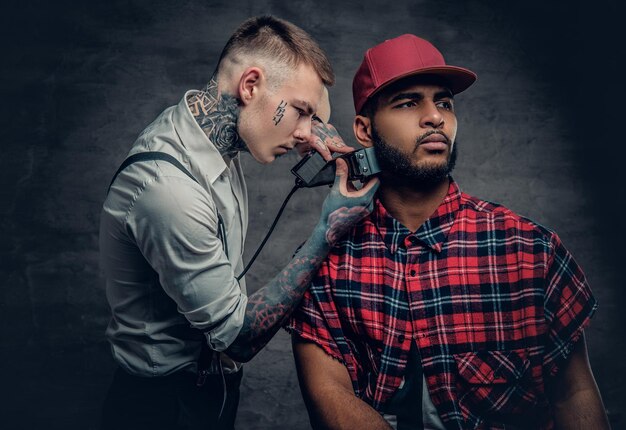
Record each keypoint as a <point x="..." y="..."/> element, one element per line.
<point x="431" y="117"/>
<point x="303" y="131"/>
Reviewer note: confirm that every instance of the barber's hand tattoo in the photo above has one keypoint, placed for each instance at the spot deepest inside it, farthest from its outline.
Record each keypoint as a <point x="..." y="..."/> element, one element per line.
<point x="217" y="115"/>
<point x="325" y="139"/>
<point x="269" y="307"/>
<point x="280" y="112"/>
<point x="327" y="133"/>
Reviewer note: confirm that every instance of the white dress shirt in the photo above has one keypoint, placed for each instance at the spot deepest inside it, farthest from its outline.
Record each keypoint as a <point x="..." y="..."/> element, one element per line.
<point x="168" y="277"/>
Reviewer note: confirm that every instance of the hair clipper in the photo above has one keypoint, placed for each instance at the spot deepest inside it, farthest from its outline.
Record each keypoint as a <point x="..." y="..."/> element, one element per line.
<point x="313" y="170"/>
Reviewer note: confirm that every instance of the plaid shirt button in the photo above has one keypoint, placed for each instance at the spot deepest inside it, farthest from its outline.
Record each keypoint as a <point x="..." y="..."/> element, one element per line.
<point x="400" y="338"/>
<point x="410" y="240"/>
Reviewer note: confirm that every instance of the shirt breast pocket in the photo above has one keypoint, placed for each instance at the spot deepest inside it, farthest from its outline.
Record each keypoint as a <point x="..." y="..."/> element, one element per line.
<point x="495" y="383"/>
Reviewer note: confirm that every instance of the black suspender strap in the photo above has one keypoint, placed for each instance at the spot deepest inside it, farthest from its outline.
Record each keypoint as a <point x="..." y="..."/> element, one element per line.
<point x="155" y="155"/>
<point x="150" y="156"/>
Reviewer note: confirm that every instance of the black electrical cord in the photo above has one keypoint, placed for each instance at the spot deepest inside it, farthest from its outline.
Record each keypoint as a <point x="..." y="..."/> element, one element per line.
<point x="267" y="236"/>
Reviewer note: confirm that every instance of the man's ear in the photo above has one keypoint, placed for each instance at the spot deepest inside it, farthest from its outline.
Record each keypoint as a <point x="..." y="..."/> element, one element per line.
<point x="251" y="82"/>
<point x="362" y="127"/>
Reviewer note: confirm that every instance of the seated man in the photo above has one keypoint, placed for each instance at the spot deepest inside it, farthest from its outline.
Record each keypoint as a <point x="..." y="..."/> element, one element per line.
<point x="439" y="309"/>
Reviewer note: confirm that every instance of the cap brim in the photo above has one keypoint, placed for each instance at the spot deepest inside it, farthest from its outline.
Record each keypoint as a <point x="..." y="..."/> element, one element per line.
<point x="457" y="79"/>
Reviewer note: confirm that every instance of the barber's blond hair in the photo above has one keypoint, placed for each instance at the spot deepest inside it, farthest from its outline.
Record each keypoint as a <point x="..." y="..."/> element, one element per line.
<point x="280" y="44"/>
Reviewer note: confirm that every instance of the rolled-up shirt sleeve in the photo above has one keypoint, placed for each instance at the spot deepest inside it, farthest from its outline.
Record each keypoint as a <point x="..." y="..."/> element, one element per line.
<point x="569" y="306"/>
<point x="317" y="320"/>
<point x="176" y="229"/>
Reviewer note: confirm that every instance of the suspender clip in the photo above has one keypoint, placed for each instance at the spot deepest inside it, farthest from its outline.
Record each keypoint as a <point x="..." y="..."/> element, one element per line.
<point x="202" y="374"/>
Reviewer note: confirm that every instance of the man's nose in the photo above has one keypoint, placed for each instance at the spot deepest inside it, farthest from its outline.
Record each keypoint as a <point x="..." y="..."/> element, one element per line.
<point x="303" y="131"/>
<point x="431" y="116"/>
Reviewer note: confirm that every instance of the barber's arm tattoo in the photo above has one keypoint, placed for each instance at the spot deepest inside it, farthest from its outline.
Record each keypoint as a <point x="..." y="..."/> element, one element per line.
<point x="269" y="307"/>
<point x="217" y="116"/>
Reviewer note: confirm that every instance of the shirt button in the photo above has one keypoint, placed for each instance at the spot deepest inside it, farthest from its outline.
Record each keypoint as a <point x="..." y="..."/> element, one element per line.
<point x="413" y="272"/>
<point x="400" y="338"/>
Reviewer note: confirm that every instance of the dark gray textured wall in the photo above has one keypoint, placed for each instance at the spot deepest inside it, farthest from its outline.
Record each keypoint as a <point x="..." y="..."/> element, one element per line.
<point x="540" y="132"/>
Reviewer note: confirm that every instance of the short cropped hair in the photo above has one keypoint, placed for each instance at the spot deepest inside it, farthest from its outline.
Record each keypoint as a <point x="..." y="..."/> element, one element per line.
<point x="278" y="43"/>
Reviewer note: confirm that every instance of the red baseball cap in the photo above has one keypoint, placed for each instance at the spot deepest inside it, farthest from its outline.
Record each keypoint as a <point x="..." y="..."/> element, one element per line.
<point x="403" y="56"/>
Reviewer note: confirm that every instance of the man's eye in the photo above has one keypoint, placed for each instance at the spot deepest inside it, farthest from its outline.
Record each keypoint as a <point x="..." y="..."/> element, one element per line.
<point x="408" y="104"/>
<point x="445" y="105"/>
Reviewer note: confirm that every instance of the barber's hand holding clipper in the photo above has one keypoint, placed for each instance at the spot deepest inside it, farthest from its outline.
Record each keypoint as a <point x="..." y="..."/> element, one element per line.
<point x="270" y="306"/>
<point x="345" y="205"/>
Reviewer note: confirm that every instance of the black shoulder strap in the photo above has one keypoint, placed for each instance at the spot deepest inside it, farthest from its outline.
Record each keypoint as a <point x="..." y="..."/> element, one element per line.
<point x="149" y="156"/>
<point x="155" y="155"/>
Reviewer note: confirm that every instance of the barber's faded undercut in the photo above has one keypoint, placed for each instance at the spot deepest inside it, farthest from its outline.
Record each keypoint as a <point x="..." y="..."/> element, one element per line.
<point x="277" y="42"/>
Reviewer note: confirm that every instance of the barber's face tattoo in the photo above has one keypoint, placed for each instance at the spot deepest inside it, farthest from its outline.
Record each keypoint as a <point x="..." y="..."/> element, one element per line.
<point x="280" y="112"/>
<point x="217" y="115"/>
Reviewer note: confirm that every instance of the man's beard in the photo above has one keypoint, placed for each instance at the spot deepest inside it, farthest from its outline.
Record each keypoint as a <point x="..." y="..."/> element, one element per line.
<point x="398" y="169"/>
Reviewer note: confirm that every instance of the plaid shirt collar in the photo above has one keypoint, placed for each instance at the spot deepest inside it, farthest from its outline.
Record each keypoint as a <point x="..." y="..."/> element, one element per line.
<point x="433" y="233"/>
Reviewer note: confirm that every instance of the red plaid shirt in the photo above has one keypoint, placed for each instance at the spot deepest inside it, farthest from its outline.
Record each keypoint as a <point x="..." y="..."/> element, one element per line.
<point x="494" y="302"/>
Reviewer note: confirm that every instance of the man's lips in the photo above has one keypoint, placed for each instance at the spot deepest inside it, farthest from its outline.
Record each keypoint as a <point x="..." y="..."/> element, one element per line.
<point x="434" y="142"/>
<point x="283" y="149"/>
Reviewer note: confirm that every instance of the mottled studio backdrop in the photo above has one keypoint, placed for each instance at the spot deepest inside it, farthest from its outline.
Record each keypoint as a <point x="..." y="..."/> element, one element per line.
<point x="541" y="132"/>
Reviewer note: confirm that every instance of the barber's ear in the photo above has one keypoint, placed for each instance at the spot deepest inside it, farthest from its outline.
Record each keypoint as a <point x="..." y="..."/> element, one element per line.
<point x="251" y="81"/>
<point x="363" y="130"/>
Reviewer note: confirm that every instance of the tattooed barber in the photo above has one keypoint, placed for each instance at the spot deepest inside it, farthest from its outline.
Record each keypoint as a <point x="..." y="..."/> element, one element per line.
<point x="172" y="232"/>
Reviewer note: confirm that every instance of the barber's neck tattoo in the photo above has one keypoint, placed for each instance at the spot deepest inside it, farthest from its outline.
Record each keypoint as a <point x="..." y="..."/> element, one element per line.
<point x="280" y="112"/>
<point x="217" y="115"/>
